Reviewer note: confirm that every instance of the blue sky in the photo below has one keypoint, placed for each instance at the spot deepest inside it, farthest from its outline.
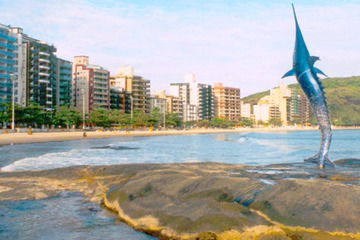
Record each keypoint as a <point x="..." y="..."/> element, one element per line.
<point x="245" y="44"/>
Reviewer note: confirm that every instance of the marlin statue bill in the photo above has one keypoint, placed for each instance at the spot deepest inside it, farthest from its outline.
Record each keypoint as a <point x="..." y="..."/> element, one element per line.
<point x="307" y="76"/>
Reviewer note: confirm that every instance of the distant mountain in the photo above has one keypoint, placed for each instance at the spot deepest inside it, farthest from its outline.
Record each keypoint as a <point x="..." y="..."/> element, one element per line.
<point x="343" y="97"/>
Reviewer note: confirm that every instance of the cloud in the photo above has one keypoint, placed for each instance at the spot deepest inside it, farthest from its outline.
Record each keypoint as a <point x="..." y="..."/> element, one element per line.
<point x="246" y="44"/>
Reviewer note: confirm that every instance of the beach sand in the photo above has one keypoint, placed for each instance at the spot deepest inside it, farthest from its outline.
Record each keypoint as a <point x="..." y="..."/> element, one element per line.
<point x="36" y="137"/>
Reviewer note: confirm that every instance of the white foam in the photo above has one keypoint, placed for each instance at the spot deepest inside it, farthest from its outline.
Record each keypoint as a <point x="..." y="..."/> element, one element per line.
<point x="64" y="159"/>
<point x="275" y="144"/>
<point x="242" y="139"/>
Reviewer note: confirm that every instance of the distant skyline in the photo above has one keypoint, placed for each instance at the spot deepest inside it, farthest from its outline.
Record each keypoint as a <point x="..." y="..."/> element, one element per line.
<point x="244" y="44"/>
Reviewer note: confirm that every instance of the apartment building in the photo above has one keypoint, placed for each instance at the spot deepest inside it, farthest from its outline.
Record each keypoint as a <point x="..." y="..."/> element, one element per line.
<point x="31" y="67"/>
<point x="8" y="63"/>
<point x="13" y="65"/>
<point x="137" y="86"/>
<point x="120" y="99"/>
<point x="266" y="110"/>
<point x="305" y="109"/>
<point x="285" y="104"/>
<point x="158" y="103"/>
<point x="245" y="110"/>
<point x="28" y="65"/>
<point x="197" y="98"/>
<point x="42" y="73"/>
<point x="281" y="97"/>
<point x="227" y="102"/>
<point x="173" y="104"/>
<point x="90" y="85"/>
<point x="63" y="85"/>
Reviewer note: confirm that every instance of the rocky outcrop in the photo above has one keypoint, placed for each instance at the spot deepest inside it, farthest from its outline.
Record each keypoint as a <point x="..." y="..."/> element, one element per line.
<point x="213" y="200"/>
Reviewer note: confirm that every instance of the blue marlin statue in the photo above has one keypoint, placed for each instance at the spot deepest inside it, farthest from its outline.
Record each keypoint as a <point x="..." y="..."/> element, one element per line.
<point x="307" y="76"/>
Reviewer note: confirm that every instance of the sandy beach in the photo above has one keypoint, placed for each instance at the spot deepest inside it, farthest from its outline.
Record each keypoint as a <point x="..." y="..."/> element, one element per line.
<point x="36" y="137"/>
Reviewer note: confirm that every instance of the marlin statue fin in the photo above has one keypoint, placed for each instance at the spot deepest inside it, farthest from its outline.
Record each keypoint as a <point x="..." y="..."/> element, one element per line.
<point x="313" y="59"/>
<point x="318" y="71"/>
<point x="289" y="73"/>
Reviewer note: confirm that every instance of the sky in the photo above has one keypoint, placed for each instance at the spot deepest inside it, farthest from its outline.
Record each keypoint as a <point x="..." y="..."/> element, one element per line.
<point x="245" y="43"/>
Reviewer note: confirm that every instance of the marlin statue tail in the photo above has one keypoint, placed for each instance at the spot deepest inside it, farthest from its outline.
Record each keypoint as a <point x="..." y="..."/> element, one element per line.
<point x="307" y="76"/>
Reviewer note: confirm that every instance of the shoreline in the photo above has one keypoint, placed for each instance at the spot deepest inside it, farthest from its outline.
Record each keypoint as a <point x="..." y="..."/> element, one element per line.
<point x="43" y="137"/>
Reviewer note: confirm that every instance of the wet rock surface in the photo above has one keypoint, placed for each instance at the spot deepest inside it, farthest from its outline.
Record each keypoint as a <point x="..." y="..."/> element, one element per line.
<point x="212" y="200"/>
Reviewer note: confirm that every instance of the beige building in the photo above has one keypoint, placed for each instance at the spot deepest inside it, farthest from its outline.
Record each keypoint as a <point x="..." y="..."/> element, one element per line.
<point x="173" y="104"/>
<point x="274" y="106"/>
<point x="90" y="85"/>
<point x="280" y="97"/>
<point x="227" y="102"/>
<point x="284" y="104"/>
<point x="137" y="86"/>
<point x="266" y="110"/>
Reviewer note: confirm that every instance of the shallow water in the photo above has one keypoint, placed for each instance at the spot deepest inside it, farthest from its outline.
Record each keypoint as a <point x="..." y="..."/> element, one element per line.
<point x="245" y="148"/>
<point x="66" y="216"/>
<point x="70" y="217"/>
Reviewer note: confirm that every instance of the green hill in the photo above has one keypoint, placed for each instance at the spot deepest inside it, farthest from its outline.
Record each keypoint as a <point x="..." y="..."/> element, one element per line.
<point x="343" y="97"/>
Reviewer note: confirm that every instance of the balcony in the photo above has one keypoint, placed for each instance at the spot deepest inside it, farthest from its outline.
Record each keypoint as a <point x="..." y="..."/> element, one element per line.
<point x="9" y="61"/>
<point x="9" y="69"/>
<point x="44" y="74"/>
<point x="43" y="81"/>
<point x="6" y="37"/>
<point x="65" y="84"/>
<point x="65" y="71"/>
<point x="6" y="84"/>
<point x="44" y="67"/>
<point x="6" y="76"/>
<point x="7" y="53"/>
<point x="8" y="45"/>
<point x="44" y="54"/>
<point x="44" y="60"/>
<point x="101" y="87"/>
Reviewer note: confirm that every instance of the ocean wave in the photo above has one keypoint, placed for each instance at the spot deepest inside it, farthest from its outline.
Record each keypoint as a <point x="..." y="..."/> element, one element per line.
<point x="242" y="139"/>
<point x="73" y="157"/>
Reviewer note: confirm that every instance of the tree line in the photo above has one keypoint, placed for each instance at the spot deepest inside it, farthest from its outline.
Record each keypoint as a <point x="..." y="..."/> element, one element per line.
<point x="36" y="116"/>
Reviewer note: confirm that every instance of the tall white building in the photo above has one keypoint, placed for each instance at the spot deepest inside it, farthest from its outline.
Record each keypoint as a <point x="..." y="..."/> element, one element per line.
<point x="245" y="110"/>
<point x="262" y="110"/>
<point x="197" y="98"/>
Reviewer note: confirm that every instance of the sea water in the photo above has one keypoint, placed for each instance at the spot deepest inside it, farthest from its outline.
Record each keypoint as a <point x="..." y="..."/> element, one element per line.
<point x="255" y="148"/>
<point x="67" y="216"/>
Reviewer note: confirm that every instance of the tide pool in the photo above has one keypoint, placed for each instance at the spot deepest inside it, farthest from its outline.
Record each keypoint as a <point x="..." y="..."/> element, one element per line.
<point x="67" y="216"/>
